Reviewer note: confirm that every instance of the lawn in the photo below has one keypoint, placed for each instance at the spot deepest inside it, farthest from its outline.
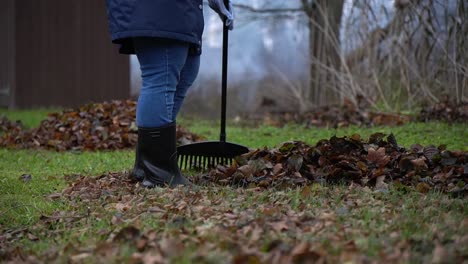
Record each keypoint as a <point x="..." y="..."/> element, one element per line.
<point x="67" y="207"/>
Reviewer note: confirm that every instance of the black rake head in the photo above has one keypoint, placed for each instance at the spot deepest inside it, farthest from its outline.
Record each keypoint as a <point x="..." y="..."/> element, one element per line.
<point x="206" y="155"/>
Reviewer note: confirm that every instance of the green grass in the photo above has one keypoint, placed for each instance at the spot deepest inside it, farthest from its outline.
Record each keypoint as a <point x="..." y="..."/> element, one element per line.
<point x="454" y="136"/>
<point x="374" y="221"/>
<point x="29" y="118"/>
<point x="29" y="199"/>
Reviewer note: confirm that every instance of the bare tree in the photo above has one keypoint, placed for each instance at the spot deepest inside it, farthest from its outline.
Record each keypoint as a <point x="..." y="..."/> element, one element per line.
<point x="323" y="22"/>
<point x="417" y="55"/>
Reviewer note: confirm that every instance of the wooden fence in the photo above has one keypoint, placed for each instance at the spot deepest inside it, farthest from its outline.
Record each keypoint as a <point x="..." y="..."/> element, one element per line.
<point x="58" y="53"/>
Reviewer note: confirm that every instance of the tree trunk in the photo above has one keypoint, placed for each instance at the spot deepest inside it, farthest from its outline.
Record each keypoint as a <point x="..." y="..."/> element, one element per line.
<point x="462" y="50"/>
<point x="324" y="49"/>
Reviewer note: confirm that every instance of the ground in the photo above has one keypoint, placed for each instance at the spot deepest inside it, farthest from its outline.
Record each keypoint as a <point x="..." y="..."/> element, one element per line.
<point x="79" y="207"/>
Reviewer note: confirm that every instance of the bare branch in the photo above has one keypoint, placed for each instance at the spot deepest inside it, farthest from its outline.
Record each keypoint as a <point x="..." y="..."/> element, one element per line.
<point x="268" y="10"/>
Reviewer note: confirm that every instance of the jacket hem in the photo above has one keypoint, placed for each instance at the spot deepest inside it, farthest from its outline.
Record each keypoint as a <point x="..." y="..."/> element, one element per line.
<point x="118" y="36"/>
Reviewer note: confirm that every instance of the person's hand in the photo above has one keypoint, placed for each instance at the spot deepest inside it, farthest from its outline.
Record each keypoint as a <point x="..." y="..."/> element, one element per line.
<point x="223" y="12"/>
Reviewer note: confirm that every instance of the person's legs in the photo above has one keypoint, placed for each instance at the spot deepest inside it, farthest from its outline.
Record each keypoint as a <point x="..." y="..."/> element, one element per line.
<point x="161" y="62"/>
<point x="187" y="77"/>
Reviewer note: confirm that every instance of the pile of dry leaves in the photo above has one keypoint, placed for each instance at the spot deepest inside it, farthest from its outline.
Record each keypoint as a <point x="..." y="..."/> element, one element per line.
<point x="7" y="125"/>
<point x="336" y="116"/>
<point x="103" y="126"/>
<point x="374" y="162"/>
<point x="349" y="113"/>
<point x="359" y="113"/>
<point x="446" y="111"/>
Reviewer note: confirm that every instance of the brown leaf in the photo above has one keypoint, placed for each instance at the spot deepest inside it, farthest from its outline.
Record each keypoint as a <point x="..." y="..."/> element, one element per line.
<point x="171" y="247"/>
<point x="280" y="226"/>
<point x="152" y="258"/>
<point x="122" y="207"/>
<point x="300" y="249"/>
<point x="430" y="152"/>
<point x="439" y="255"/>
<point x="54" y="196"/>
<point x="295" y="162"/>
<point x="405" y="164"/>
<point x="127" y="234"/>
<point x="306" y="192"/>
<point x="380" y="184"/>
<point x="378" y="157"/>
<point x="277" y="168"/>
<point x="246" y="259"/>
<point x="423" y="187"/>
<point x="419" y="164"/>
<point x="32" y="237"/>
<point x="79" y="257"/>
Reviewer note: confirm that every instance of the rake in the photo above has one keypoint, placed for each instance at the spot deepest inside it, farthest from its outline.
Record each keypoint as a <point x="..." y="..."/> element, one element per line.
<point x="204" y="155"/>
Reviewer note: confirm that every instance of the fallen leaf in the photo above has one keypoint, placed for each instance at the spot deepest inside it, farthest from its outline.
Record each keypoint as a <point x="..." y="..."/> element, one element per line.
<point x="280" y="226"/>
<point x="380" y="184"/>
<point x="423" y="187"/>
<point x="26" y="178"/>
<point x="246" y="259"/>
<point x="54" y="196"/>
<point x="378" y="156"/>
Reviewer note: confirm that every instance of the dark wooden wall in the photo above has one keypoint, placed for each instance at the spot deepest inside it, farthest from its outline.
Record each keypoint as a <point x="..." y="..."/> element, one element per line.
<point x="64" y="56"/>
<point x="7" y="51"/>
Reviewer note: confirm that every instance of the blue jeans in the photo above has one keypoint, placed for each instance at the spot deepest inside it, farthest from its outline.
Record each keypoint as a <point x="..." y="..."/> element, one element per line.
<point x="168" y="70"/>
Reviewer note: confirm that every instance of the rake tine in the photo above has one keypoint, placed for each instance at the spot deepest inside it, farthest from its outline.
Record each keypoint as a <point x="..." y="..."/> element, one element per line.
<point x="180" y="161"/>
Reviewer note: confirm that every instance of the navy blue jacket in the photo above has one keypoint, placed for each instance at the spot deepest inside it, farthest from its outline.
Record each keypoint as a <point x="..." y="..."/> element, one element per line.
<point x="180" y="20"/>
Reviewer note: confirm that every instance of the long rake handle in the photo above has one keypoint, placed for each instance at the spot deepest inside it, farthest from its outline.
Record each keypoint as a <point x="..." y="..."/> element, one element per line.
<point x="222" y="136"/>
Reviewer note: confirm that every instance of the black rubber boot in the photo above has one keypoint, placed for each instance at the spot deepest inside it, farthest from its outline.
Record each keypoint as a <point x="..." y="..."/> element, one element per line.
<point x="157" y="154"/>
<point x="137" y="174"/>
